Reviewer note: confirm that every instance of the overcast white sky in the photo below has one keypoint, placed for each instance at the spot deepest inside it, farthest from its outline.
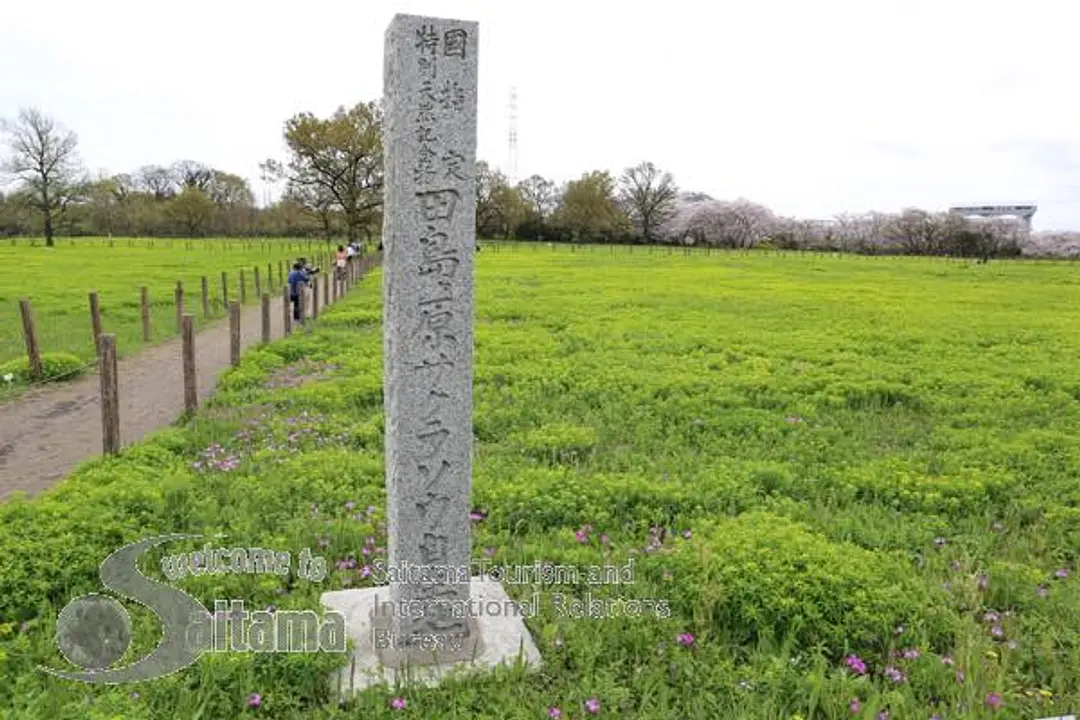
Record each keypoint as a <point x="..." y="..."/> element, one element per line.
<point x="812" y="108"/>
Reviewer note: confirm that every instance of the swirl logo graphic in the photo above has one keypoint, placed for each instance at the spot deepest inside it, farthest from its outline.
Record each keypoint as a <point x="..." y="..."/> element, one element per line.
<point x="94" y="631"/>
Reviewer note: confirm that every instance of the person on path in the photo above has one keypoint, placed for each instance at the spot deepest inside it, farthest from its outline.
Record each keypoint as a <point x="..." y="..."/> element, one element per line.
<point x="298" y="280"/>
<point x="340" y="262"/>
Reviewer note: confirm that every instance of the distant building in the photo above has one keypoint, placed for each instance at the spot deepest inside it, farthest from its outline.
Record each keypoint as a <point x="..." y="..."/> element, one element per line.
<point x="1022" y="212"/>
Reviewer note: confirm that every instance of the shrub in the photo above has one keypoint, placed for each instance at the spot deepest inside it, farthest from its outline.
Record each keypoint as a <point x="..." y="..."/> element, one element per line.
<point x="762" y="577"/>
<point x="54" y="365"/>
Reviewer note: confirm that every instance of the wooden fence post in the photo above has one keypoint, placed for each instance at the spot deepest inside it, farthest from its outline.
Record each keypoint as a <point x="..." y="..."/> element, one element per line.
<point x="234" y="333"/>
<point x="110" y="397"/>
<point x="191" y="397"/>
<point x="224" y="290"/>
<point x="281" y="272"/>
<point x="286" y="310"/>
<point x="243" y="287"/>
<point x="205" y="296"/>
<point x="258" y="282"/>
<point x="269" y="276"/>
<point x="265" y="318"/>
<point x="144" y="309"/>
<point x="95" y="321"/>
<point x="326" y="289"/>
<point x="30" y="335"/>
<point x="179" y="306"/>
<point x="315" y="298"/>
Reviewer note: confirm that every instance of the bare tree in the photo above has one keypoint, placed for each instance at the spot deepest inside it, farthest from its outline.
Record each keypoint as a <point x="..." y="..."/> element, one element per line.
<point x="191" y="174"/>
<point x="44" y="160"/>
<point x="648" y="196"/>
<point x="158" y="181"/>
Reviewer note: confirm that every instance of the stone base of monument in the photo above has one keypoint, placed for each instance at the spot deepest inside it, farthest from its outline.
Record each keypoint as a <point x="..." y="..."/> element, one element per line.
<point x="495" y="639"/>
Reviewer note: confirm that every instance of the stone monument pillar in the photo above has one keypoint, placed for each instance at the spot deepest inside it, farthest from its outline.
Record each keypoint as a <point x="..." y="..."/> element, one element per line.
<point x="433" y="617"/>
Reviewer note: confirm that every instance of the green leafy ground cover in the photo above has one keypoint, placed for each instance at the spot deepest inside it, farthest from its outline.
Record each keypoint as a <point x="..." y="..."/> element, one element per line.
<point x="852" y="480"/>
<point x="58" y="281"/>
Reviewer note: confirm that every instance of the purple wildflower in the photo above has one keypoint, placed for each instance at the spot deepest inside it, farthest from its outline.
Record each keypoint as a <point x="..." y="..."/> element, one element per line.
<point x="592" y="705"/>
<point x="855" y="706"/>
<point x="398" y="703"/>
<point x="1061" y="573"/>
<point x="685" y="639"/>
<point x="477" y="515"/>
<point x="856" y="664"/>
<point x="254" y="700"/>
<point x="984" y="581"/>
<point x="993" y="701"/>
<point x="997" y="632"/>
<point x="894" y="674"/>
<point x="554" y="712"/>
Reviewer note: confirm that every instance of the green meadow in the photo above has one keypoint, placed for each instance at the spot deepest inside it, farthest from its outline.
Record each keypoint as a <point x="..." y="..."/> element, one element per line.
<point x="58" y="282"/>
<point x="847" y="486"/>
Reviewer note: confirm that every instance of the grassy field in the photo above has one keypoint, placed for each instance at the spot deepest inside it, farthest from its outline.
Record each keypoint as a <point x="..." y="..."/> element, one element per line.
<point x="851" y="482"/>
<point x="58" y="281"/>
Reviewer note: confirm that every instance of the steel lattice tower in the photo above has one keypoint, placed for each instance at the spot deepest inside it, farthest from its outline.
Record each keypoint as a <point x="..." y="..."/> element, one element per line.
<point x="512" y="139"/>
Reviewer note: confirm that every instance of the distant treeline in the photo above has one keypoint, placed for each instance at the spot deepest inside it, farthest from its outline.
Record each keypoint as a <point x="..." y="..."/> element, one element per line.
<point x="333" y="190"/>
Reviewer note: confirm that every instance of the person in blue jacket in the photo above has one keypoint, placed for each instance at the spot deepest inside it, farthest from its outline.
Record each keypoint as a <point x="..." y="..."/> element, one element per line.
<point x="298" y="280"/>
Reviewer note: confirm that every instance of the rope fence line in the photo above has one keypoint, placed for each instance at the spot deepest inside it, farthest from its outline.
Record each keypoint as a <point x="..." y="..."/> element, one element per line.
<point x="37" y="371"/>
<point x="110" y="404"/>
<point x="158" y="313"/>
<point x="670" y="249"/>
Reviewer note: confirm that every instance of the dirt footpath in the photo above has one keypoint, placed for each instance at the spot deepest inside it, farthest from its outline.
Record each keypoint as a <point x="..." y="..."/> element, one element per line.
<point x="48" y="432"/>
